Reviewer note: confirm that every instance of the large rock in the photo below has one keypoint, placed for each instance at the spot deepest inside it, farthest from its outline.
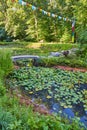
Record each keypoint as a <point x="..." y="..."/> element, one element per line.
<point x="84" y="120"/>
<point x="68" y="113"/>
<point x="14" y="58"/>
<point x="55" y="54"/>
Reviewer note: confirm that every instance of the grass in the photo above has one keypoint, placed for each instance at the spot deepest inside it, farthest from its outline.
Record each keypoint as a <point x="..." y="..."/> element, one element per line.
<point x="44" y="49"/>
<point x="17" y="117"/>
<point x="36" y="48"/>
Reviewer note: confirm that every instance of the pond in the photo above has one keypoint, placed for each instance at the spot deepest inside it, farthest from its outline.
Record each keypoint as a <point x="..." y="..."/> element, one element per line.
<point x="61" y="91"/>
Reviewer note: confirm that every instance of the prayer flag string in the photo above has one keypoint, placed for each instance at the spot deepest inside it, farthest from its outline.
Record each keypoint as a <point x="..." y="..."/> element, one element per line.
<point x="48" y="14"/>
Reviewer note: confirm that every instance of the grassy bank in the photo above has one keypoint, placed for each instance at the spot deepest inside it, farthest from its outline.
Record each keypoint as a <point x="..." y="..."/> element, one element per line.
<point x="16" y="117"/>
<point x="45" y="49"/>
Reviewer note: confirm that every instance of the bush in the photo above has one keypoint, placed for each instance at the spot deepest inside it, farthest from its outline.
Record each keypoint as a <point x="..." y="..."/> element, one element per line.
<point x="65" y="61"/>
<point x="25" y="119"/>
<point x="2" y="89"/>
<point x="82" y="52"/>
<point x="2" y="73"/>
<point x="66" y="37"/>
<point x="5" y="61"/>
<point x="83" y="36"/>
<point x="5" y="120"/>
<point x="2" y="33"/>
<point x="4" y="36"/>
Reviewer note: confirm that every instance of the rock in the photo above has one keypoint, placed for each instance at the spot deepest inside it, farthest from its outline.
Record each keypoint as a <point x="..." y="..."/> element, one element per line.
<point x="65" y="53"/>
<point x="41" y="41"/>
<point x="55" y="107"/>
<point x="41" y="109"/>
<point x="84" y="120"/>
<point x="86" y="112"/>
<point x="74" y="49"/>
<point x="55" y="54"/>
<point x="14" y="58"/>
<point x="68" y="113"/>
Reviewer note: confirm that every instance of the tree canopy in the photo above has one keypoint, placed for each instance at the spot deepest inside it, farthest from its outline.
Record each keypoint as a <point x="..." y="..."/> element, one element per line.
<point x="24" y="23"/>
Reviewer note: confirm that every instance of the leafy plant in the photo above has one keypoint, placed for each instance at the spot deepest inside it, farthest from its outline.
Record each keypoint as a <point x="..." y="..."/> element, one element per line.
<point x="6" y="119"/>
<point x="2" y="88"/>
<point x="5" y="61"/>
<point x="62" y="86"/>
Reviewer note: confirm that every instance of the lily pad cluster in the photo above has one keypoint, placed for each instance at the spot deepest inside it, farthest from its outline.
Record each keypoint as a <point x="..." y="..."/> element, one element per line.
<point x="64" y="87"/>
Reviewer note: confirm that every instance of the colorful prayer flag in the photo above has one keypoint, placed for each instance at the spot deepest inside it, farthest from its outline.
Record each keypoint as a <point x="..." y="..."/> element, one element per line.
<point x="59" y="17"/>
<point x="20" y="1"/>
<point x="33" y="7"/>
<point x="24" y="3"/>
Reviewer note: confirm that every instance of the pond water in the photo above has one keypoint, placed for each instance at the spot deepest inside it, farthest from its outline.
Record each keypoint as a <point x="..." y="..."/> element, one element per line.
<point x="43" y="97"/>
<point x="63" y="92"/>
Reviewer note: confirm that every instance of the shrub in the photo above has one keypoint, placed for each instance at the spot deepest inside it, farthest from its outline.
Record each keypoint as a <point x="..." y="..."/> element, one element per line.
<point x="27" y="120"/>
<point x="2" y="89"/>
<point x="83" y="36"/>
<point x="82" y="52"/>
<point x="5" y="61"/>
<point x="65" y="61"/>
<point x="16" y="117"/>
<point x="4" y="36"/>
<point x="5" y="119"/>
<point x="2" y="73"/>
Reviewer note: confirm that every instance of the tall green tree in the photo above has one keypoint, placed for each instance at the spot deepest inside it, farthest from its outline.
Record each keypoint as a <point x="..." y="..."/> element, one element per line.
<point x="25" y="22"/>
<point x="81" y="20"/>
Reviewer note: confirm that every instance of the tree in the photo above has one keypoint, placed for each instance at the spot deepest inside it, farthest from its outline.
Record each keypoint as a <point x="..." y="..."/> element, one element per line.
<point x="30" y="22"/>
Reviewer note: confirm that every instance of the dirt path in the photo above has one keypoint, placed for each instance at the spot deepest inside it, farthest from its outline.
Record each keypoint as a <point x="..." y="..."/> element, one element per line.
<point x="70" y="68"/>
<point x="25" y="100"/>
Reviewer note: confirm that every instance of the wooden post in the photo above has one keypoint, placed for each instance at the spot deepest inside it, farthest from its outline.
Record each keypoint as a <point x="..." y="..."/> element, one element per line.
<point x="73" y="31"/>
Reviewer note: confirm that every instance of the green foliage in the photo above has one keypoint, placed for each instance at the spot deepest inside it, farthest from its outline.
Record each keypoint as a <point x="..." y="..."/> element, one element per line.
<point x="9" y="103"/>
<point x="27" y="120"/>
<point x="13" y="116"/>
<point x="82" y="52"/>
<point x="81" y="24"/>
<point x="57" y="47"/>
<point x="85" y="101"/>
<point x="27" y="24"/>
<point x="65" y="61"/>
<point x="5" y="61"/>
<point x="83" y="37"/>
<point x="25" y="48"/>
<point x="59" y="83"/>
<point x="2" y="34"/>
<point x="49" y="122"/>
<point x="20" y="48"/>
<point x="6" y="118"/>
<point x="2" y="73"/>
<point x="66" y="36"/>
<point x="2" y="88"/>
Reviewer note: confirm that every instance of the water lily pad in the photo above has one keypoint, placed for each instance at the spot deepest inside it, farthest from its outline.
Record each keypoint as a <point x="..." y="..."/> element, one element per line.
<point x="31" y="92"/>
<point x="56" y="85"/>
<point x="26" y="88"/>
<point x="37" y="89"/>
<point x="65" y="106"/>
<point x="62" y="104"/>
<point x="48" y="97"/>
